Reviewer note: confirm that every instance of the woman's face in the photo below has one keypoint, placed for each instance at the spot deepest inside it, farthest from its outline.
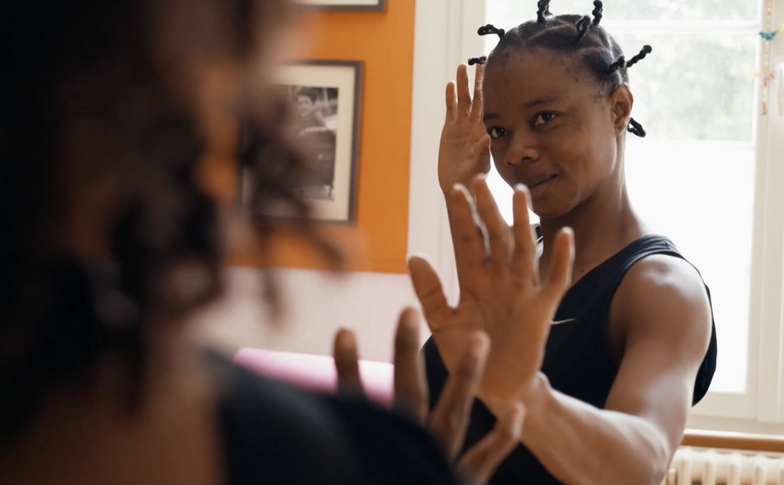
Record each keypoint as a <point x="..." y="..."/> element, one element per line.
<point x="551" y="129"/>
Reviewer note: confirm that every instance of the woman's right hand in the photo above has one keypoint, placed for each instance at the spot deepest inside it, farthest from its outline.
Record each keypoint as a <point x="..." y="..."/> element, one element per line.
<point x="464" y="151"/>
<point x="448" y="421"/>
<point x="501" y="291"/>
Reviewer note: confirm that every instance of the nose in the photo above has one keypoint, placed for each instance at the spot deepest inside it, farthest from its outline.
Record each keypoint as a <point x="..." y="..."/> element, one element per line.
<point x="522" y="149"/>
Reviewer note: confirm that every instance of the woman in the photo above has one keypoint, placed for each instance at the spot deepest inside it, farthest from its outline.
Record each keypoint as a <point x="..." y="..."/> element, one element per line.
<point x="632" y="345"/>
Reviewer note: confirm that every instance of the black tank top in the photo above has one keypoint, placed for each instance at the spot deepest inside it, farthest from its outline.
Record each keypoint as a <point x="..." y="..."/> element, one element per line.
<point x="577" y="358"/>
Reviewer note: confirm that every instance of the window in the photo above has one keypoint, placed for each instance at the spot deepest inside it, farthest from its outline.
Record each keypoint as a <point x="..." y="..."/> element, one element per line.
<point x="709" y="174"/>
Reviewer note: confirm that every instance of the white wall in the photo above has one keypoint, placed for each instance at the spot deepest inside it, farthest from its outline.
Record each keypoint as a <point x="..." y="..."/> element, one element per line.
<point x="316" y="304"/>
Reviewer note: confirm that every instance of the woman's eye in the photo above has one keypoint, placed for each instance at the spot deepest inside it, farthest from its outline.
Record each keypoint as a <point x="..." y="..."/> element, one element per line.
<point x="496" y="132"/>
<point x="544" y="118"/>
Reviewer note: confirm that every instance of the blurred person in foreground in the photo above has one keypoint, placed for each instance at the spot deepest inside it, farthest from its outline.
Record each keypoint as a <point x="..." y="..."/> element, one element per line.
<point x="113" y="236"/>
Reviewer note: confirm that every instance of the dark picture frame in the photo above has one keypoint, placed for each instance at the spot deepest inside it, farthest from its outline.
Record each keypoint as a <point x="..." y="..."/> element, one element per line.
<point x="326" y="100"/>
<point x="346" y="5"/>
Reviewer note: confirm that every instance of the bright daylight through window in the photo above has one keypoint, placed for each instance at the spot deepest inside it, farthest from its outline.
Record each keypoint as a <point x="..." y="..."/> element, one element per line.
<point x="692" y="177"/>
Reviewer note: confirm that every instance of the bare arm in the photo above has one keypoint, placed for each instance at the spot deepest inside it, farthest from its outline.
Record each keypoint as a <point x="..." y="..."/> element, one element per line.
<point x="663" y="305"/>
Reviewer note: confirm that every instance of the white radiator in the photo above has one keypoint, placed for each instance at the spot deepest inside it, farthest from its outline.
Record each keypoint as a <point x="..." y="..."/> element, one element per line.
<point x="705" y="466"/>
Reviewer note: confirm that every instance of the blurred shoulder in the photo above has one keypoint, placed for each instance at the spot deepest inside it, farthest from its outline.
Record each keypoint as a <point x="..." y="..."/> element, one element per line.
<point x="300" y="437"/>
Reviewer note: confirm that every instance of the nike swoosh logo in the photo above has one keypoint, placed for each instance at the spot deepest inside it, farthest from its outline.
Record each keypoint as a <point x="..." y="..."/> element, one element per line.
<point x="558" y="322"/>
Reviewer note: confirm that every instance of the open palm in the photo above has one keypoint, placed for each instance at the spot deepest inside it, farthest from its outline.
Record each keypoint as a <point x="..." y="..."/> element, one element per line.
<point x="464" y="151"/>
<point x="500" y="291"/>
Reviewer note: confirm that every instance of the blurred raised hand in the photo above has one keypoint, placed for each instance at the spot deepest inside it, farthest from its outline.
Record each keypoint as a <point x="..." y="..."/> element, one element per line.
<point x="449" y="419"/>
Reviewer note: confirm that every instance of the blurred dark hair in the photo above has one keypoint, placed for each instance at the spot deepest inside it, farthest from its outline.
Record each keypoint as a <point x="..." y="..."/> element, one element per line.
<point x="100" y="131"/>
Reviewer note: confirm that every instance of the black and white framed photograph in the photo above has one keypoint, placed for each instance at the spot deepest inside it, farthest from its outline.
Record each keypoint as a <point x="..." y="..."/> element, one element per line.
<point x="324" y="122"/>
<point x="346" y="5"/>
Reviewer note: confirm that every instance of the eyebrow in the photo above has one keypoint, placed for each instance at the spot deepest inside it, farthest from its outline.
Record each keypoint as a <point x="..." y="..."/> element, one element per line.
<point x="528" y="105"/>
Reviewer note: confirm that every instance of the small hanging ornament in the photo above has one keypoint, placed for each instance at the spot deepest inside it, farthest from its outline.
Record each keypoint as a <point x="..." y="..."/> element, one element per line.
<point x="772" y="34"/>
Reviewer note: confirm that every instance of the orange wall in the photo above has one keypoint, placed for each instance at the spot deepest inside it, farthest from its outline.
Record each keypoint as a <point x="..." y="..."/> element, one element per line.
<point x="384" y="41"/>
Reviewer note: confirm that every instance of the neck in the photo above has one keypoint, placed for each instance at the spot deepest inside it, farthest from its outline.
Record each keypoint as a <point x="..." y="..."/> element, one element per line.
<point x="603" y="224"/>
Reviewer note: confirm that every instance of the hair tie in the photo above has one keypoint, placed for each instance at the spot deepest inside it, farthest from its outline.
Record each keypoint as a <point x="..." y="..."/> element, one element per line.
<point x="619" y="64"/>
<point x="582" y="26"/>
<point x="491" y="29"/>
<point x="636" y="128"/>
<point x="634" y="60"/>
<point x="597" y="12"/>
<point x="544" y="9"/>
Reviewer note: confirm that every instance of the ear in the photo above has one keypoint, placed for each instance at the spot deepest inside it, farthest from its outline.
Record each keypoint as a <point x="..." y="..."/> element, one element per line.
<point x="621" y="102"/>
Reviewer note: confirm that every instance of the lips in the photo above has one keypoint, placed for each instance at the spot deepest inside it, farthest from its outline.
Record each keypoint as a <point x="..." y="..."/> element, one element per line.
<point x="532" y="182"/>
<point x="538" y="186"/>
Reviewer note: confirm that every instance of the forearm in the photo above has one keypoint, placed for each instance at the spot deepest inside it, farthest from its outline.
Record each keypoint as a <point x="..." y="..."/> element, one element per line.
<point x="580" y="444"/>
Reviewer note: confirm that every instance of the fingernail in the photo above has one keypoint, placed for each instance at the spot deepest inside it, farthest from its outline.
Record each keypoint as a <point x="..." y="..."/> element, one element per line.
<point x="411" y="315"/>
<point x="524" y="189"/>
<point x="347" y="337"/>
<point x="518" y="408"/>
<point x="480" y="346"/>
<point x="415" y="255"/>
<point x="517" y="417"/>
<point x="462" y="188"/>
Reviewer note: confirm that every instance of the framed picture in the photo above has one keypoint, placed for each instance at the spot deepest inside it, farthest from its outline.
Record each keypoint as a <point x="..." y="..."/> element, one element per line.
<point x="326" y="99"/>
<point x="346" y="5"/>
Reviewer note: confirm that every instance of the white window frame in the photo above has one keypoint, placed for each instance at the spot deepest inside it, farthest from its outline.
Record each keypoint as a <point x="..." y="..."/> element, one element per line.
<point x="445" y="35"/>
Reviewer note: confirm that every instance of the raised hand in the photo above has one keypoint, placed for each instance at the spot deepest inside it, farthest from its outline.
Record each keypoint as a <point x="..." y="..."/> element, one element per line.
<point x="464" y="151"/>
<point x="501" y="292"/>
<point x="449" y="420"/>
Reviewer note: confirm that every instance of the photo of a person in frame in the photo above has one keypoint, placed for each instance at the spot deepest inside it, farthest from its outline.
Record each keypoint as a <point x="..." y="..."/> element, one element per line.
<point x="314" y="128"/>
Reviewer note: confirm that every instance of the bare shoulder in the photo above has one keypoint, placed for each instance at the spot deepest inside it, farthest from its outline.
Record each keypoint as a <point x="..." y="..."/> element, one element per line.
<point x="660" y="329"/>
<point x="663" y="296"/>
<point x="661" y="278"/>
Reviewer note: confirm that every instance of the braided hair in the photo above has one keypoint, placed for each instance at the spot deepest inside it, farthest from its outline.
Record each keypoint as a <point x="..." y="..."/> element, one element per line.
<point x="578" y="36"/>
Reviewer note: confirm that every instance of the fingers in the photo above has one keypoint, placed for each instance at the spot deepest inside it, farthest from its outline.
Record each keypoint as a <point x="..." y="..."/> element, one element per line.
<point x="559" y="275"/>
<point x="471" y="239"/>
<point x="449" y="419"/>
<point x="410" y="383"/>
<point x="463" y="94"/>
<point x="524" y="259"/>
<point x="498" y="234"/>
<point x="477" y="107"/>
<point x="429" y="292"/>
<point x="451" y="101"/>
<point x="347" y="363"/>
<point x="481" y="461"/>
